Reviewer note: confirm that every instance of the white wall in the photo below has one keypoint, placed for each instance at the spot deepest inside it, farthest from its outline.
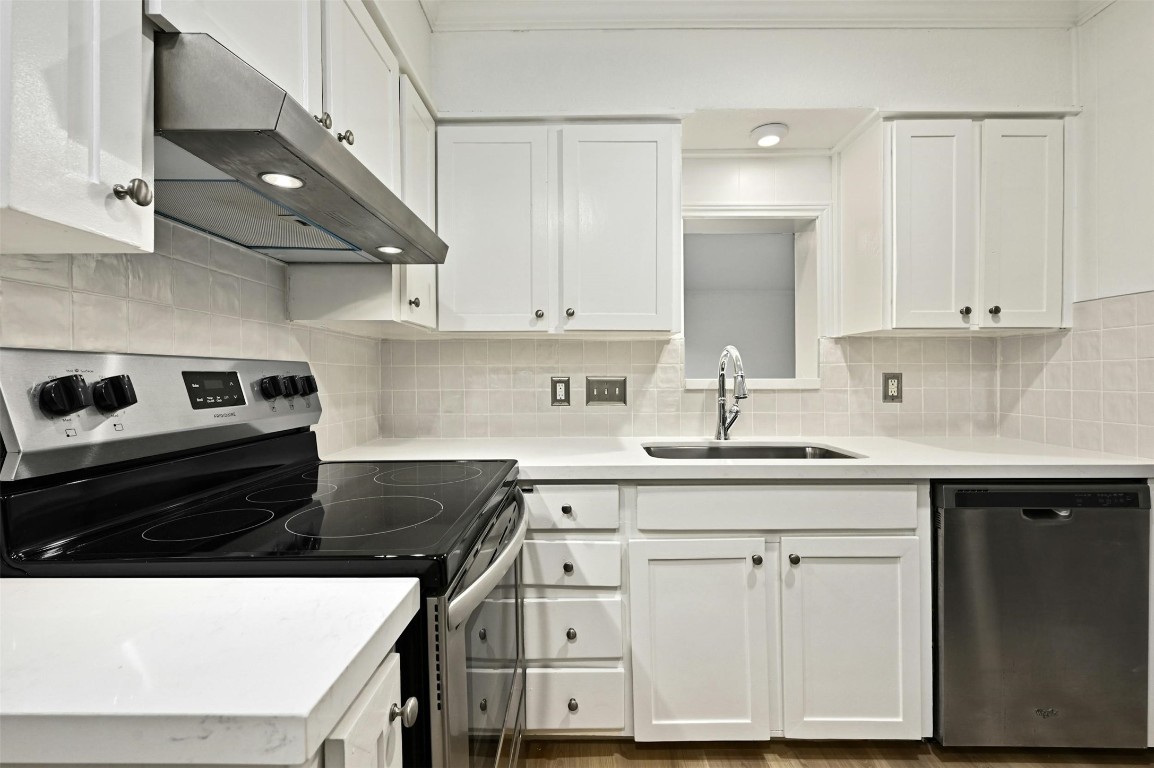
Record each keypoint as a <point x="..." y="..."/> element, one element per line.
<point x="1114" y="143"/>
<point x="782" y="180"/>
<point x="649" y="71"/>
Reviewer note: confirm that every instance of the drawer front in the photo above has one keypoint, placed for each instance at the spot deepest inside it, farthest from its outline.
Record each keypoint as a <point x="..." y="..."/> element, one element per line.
<point x="779" y="507"/>
<point x="574" y="506"/>
<point x="571" y="563"/>
<point x="598" y="696"/>
<point x="487" y="689"/>
<point x="595" y="626"/>
<point x="493" y="630"/>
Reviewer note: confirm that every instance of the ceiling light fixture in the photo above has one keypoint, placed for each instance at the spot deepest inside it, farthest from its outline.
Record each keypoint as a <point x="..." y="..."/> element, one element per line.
<point x="769" y="134"/>
<point x="392" y="250"/>
<point x="282" y="180"/>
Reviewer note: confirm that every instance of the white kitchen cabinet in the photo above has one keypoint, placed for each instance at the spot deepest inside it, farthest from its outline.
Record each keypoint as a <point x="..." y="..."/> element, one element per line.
<point x="952" y="225"/>
<point x="362" y="88"/>
<point x="556" y="228"/>
<point x="418" y="283"/>
<point x="493" y="211"/>
<point x="290" y="56"/>
<point x="581" y="700"/>
<point x="76" y="90"/>
<point x="851" y="637"/>
<point x="368" y="736"/>
<point x="701" y="614"/>
<point x="1022" y="171"/>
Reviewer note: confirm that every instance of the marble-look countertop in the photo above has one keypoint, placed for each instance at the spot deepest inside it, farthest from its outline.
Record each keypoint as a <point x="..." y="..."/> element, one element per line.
<point x="242" y="671"/>
<point x="882" y="458"/>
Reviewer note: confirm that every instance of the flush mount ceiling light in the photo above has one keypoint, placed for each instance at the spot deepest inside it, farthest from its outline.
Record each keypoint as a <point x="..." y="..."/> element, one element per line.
<point x="282" y="180"/>
<point x="392" y="250"/>
<point x="769" y="134"/>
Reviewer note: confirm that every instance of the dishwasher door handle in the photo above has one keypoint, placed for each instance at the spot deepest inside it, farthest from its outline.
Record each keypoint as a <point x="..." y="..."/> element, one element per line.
<point x="1048" y="515"/>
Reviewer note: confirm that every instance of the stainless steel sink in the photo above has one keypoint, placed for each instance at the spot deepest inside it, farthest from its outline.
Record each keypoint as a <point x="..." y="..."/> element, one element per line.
<point x="744" y="451"/>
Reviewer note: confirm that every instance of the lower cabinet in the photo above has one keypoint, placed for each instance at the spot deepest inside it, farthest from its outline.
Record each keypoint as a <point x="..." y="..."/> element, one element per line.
<point x="701" y="612"/>
<point x="369" y="736"/>
<point x="851" y="637"/>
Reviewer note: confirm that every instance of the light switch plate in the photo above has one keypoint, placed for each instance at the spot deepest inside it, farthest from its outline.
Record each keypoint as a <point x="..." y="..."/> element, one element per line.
<point x="559" y="390"/>
<point x="605" y="390"/>
<point x="891" y="387"/>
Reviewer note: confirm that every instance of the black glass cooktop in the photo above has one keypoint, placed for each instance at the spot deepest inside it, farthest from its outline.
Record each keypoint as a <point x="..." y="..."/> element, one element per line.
<point x="344" y="511"/>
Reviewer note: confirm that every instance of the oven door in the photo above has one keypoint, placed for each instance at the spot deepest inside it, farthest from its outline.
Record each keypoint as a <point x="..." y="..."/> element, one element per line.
<point x="485" y="675"/>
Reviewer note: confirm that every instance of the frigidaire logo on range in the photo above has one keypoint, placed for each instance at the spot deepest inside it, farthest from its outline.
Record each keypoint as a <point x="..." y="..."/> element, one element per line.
<point x="228" y="415"/>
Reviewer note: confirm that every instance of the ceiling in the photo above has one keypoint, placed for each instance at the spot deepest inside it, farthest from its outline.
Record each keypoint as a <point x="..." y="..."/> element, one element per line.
<point x="728" y="129"/>
<point x="517" y="15"/>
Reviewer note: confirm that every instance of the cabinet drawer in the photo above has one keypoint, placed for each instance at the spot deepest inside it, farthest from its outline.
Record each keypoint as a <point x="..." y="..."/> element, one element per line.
<point x="572" y="563"/>
<point x="597" y="694"/>
<point x="780" y="507"/>
<point x="573" y="506"/>
<point x="488" y="689"/>
<point x="595" y="625"/>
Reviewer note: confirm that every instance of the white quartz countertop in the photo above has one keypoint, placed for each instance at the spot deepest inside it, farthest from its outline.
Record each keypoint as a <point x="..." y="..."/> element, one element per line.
<point x="882" y="458"/>
<point x="245" y="671"/>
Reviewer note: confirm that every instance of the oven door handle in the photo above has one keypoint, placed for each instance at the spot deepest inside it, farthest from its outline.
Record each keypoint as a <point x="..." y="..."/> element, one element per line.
<point x="463" y="605"/>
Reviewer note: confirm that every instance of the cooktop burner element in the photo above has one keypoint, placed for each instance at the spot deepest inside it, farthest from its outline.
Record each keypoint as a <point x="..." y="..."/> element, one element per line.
<point x="291" y="492"/>
<point x="429" y="474"/>
<point x="207" y="525"/>
<point x="363" y="517"/>
<point x="333" y="473"/>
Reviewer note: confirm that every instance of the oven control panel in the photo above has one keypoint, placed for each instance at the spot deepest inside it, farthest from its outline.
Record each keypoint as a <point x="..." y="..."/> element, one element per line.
<point x="63" y="410"/>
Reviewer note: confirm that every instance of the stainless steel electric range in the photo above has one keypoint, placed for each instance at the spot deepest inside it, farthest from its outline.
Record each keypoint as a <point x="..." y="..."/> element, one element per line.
<point x="142" y="465"/>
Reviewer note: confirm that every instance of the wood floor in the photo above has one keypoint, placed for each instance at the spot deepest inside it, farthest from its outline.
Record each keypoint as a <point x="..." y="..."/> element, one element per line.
<point x="812" y="754"/>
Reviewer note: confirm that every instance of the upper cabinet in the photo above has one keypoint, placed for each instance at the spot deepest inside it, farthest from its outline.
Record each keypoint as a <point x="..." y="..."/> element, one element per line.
<point x="952" y="224"/>
<point x="76" y="163"/>
<point x="559" y="228"/>
<point x="418" y="283"/>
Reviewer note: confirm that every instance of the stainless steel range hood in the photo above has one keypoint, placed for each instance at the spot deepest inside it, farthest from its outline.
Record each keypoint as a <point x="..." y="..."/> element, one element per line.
<point x="220" y="124"/>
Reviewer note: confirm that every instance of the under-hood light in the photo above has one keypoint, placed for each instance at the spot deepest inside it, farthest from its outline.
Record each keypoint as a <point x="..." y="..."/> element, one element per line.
<point x="282" y="180"/>
<point x="391" y="250"/>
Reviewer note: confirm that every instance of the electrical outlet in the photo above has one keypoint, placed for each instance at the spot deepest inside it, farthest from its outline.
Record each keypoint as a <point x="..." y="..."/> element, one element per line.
<point x="559" y="390"/>
<point x="891" y="387"/>
<point x="605" y="390"/>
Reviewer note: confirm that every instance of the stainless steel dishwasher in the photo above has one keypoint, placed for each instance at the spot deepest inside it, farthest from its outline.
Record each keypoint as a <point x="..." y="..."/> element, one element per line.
<point x="1041" y="615"/>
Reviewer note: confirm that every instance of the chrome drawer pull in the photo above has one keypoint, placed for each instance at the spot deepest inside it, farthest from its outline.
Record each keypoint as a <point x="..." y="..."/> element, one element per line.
<point x="572" y="705"/>
<point x="568" y="567"/>
<point x="408" y="713"/>
<point x="571" y="633"/>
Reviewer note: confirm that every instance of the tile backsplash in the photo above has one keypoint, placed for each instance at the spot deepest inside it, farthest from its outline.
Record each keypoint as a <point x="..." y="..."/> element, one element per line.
<point x="1090" y="387"/>
<point x="500" y="388"/>
<point x="195" y="295"/>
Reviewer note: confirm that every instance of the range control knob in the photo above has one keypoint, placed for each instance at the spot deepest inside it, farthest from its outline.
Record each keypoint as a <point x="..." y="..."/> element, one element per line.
<point x="308" y="385"/>
<point x="114" y="393"/>
<point x="291" y="386"/>
<point x="68" y="394"/>
<point x="271" y="388"/>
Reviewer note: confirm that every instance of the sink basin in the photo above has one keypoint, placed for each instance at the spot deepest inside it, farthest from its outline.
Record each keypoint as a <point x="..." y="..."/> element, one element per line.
<point x="744" y="451"/>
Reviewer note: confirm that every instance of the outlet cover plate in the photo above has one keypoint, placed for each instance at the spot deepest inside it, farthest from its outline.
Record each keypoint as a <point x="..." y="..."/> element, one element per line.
<point x="605" y="390"/>
<point x="559" y="391"/>
<point x="891" y="387"/>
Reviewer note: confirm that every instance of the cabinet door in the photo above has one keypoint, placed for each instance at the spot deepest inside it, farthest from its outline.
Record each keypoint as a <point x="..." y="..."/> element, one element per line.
<point x="1022" y="199"/>
<point x="700" y="616"/>
<point x="290" y="56"/>
<point x="362" y="88"/>
<point x="418" y="295"/>
<point x="364" y="737"/>
<point x="621" y="225"/>
<point x="935" y="224"/>
<point x="493" y="211"/>
<point x="76" y="85"/>
<point x="851" y="638"/>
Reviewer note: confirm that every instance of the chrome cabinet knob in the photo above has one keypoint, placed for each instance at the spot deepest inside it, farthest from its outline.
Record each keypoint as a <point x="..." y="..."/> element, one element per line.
<point x="794" y="559"/>
<point x="758" y="560"/>
<point x="137" y="191"/>
<point x="347" y="136"/>
<point x="484" y="705"/>
<point x="995" y="310"/>
<point x="325" y="119"/>
<point x="571" y="633"/>
<point x="482" y="635"/>
<point x="415" y="303"/>
<point x="570" y="312"/>
<point x="567" y="509"/>
<point x="567" y="567"/>
<point x="965" y="311"/>
<point x="540" y="313"/>
<point x="407" y="712"/>
<point x="572" y="705"/>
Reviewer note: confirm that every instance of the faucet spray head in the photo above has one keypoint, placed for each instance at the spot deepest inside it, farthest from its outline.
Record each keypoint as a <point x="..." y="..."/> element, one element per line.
<point x="739" y="390"/>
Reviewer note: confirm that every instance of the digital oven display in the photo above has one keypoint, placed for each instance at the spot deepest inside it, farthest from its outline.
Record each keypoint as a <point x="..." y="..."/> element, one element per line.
<point x="213" y="389"/>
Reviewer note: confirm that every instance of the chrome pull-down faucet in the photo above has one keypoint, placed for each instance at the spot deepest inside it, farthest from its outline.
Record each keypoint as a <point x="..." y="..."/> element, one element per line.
<point x="726" y="417"/>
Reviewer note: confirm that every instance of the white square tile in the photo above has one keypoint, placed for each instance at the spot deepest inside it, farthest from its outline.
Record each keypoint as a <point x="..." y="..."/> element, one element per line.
<point x="99" y="323"/>
<point x="35" y="315"/>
